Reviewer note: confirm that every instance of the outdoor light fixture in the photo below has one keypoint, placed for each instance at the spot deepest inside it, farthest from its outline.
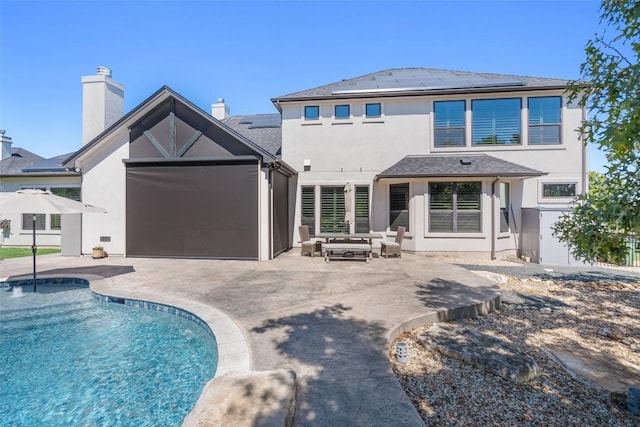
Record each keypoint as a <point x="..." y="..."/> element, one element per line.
<point x="401" y="352"/>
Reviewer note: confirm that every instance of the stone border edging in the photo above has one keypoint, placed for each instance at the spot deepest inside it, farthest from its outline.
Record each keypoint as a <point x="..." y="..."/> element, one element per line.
<point x="448" y="314"/>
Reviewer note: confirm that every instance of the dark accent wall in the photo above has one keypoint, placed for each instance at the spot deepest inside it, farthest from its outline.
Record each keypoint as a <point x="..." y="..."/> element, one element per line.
<point x="198" y="209"/>
<point x="281" y="232"/>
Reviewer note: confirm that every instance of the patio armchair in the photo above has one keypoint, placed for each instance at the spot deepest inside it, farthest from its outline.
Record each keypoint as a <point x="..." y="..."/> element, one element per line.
<point x="309" y="246"/>
<point x="395" y="247"/>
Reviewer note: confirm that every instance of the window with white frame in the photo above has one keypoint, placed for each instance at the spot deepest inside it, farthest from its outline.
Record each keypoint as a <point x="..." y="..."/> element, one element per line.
<point x="545" y="120"/>
<point x="399" y="206"/>
<point x="455" y="207"/>
<point x="449" y="129"/>
<point x="496" y="121"/>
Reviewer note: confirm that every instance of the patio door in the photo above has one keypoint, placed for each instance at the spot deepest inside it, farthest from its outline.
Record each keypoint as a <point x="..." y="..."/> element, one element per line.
<point x="332" y="210"/>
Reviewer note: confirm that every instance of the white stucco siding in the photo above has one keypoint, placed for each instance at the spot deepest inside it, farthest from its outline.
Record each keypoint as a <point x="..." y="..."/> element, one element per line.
<point x="264" y="214"/>
<point x="104" y="184"/>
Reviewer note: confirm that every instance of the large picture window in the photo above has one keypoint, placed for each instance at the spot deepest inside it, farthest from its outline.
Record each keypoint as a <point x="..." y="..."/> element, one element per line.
<point x="544" y="120"/>
<point x="449" y="123"/>
<point x="496" y="121"/>
<point x="455" y="207"/>
<point x="399" y="206"/>
<point x="308" y="209"/>
<point x="332" y="210"/>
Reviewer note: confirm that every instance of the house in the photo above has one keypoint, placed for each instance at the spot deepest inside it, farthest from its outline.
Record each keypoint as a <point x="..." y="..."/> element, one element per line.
<point x="177" y="181"/>
<point x="19" y="169"/>
<point x="454" y="157"/>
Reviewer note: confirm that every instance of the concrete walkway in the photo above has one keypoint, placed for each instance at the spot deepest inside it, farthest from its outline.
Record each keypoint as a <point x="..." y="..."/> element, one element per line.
<point x="330" y="323"/>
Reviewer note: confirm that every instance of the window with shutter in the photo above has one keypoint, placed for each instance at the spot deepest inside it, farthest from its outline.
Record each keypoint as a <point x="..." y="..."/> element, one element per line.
<point x="544" y="120"/>
<point x="308" y="209"/>
<point x="332" y="210"/>
<point x="27" y="221"/>
<point x="455" y="207"/>
<point x="449" y="123"/>
<point x="496" y="121"/>
<point x="504" y="207"/>
<point x="399" y="206"/>
<point x="362" y="209"/>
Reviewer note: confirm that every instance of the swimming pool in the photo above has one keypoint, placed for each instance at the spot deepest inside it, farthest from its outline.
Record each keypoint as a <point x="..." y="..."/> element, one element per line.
<point x="67" y="359"/>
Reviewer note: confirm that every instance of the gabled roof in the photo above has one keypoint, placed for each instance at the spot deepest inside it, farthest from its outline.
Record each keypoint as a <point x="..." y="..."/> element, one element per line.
<point x="156" y="98"/>
<point x="471" y="165"/>
<point x="25" y="163"/>
<point x="264" y="129"/>
<point x="414" y="81"/>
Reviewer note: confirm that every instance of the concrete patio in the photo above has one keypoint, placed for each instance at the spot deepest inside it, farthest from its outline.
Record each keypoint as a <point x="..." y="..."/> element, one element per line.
<point x="329" y="323"/>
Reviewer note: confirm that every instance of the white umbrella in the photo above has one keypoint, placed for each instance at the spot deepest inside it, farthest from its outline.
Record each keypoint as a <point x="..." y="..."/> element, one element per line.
<point x="348" y="210"/>
<point x="41" y="202"/>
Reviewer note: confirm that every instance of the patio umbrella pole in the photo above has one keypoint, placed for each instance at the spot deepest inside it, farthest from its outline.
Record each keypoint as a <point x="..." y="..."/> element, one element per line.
<point x="33" y="250"/>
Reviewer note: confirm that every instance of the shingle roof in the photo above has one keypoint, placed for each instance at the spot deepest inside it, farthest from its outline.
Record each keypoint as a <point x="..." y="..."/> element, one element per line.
<point x="19" y="159"/>
<point x="263" y="129"/>
<point x="24" y="162"/>
<point x="421" y="80"/>
<point x="456" y="166"/>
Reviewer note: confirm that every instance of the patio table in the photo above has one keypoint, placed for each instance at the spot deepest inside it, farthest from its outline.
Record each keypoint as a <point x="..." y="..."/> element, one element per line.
<point x="343" y="243"/>
<point x="348" y="237"/>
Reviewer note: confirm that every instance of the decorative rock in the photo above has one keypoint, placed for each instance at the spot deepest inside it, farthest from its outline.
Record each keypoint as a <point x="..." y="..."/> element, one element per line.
<point x="606" y="332"/>
<point x="545" y="310"/>
<point x="633" y="400"/>
<point x="483" y="351"/>
<point x="635" y="347"/>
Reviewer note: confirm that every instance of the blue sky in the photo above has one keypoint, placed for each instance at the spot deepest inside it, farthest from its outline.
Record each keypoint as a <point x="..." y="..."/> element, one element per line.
<point x="251" y="51"/>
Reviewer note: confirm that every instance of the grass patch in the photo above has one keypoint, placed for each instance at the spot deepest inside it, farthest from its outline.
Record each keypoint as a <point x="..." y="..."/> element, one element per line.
<point x="8" y="252"/>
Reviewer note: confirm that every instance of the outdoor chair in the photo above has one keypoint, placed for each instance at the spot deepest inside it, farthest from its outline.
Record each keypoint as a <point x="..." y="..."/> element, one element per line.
<point x="395" y="247"/>
<point x="309" y="246"/>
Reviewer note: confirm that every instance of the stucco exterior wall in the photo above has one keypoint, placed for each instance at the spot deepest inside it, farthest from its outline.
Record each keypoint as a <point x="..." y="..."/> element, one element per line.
<point x="104" y="184"/>
<point x="355" y="150"/>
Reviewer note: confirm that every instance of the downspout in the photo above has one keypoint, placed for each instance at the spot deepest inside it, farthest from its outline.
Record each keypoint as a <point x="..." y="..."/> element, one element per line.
<point x="493" y="217"/>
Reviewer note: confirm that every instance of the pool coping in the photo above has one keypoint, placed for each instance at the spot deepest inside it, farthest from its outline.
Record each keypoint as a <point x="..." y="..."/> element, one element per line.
<point x="233" y="350"/>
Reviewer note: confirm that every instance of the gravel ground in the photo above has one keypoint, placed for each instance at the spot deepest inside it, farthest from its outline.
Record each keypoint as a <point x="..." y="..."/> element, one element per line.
<point x="594" y="308"/>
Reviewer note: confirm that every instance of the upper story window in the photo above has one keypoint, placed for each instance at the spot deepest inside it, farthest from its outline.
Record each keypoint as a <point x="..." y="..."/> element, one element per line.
<point x="311" y="112"/>
<point x="544" y="120"/>
<point x="496" y="121"/>
<point x="449" y="123"/>
<point x="373" y="110"/>
<point x="342" y="111"/>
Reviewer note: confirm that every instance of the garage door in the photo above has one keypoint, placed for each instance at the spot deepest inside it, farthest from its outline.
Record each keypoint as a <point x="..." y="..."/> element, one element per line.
<point x="192" y="210"/>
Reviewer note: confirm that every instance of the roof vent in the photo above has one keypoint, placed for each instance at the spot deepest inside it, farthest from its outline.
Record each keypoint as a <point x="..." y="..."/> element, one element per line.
<point x="104" y="71"/>
<point x="465" y="162"/>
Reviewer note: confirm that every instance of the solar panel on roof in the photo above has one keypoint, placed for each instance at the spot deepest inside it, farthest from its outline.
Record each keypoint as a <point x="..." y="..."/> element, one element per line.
<point x="414" y="81"/>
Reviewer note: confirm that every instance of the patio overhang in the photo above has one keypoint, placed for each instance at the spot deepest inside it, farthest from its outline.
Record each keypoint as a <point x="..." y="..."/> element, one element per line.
<point x="456" y="166"/>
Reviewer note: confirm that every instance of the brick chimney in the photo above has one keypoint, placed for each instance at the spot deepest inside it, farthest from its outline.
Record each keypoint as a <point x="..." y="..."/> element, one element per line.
<point x="102" y="103"/>
<point x="220" y="110"/>
<point x="6" y="145"/>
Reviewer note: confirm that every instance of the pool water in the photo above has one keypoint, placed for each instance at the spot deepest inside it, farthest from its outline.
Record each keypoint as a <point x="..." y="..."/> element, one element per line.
<point x="67" y="359"/>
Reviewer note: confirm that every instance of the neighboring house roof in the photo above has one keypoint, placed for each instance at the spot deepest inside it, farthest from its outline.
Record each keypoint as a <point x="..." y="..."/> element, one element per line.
<point x="263" y="129"/>
<point x="414" y="81"/>
<point x="155" y="99"/>
<point x="456" y="166"/>
<point x="25" y="163"/>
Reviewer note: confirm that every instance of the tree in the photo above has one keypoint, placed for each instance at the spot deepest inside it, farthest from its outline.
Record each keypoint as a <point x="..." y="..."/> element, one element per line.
<point x="610" y="90"/>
